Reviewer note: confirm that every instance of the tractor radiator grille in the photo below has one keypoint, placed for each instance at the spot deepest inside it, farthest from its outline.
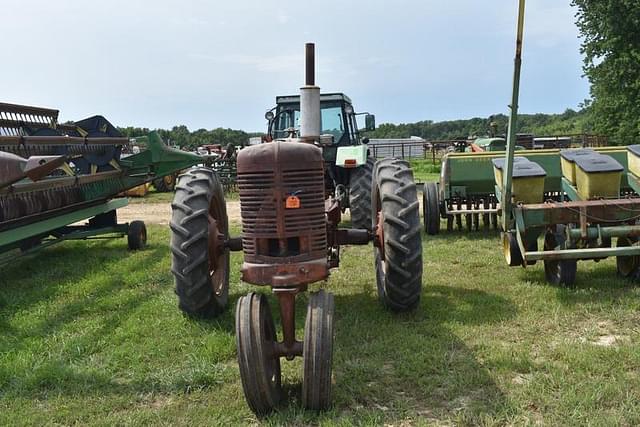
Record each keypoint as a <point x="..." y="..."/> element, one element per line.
<point x="271" y="232"/>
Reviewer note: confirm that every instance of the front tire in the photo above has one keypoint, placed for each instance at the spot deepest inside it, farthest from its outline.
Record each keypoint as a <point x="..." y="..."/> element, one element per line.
<point x="318" y="352"/>
<point x="398" y="248"/>
<point x="259" y="366"/>
<point x="199" y="226"/>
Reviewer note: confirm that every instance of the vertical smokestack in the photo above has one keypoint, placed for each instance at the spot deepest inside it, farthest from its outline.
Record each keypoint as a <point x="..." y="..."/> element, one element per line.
<point x="310" y="64"/>
<point x="310" y="98"/>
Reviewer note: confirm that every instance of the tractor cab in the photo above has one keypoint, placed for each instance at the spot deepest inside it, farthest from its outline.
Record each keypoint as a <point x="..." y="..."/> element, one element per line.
<point x="337" y="116"/>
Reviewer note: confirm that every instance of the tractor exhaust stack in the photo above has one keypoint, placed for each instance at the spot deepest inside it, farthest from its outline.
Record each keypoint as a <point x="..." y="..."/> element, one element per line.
<point x="310" y="100"/>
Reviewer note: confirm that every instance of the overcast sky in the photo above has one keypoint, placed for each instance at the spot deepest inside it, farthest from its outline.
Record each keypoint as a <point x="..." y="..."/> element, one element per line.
<point x="209" y="64"/>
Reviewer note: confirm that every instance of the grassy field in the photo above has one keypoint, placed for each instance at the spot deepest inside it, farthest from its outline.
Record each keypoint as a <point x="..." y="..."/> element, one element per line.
<point x="90" y="333"/>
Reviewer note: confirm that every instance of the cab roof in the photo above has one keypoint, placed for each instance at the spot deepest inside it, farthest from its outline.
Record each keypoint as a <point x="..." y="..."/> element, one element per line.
<point x="295" y="99"/>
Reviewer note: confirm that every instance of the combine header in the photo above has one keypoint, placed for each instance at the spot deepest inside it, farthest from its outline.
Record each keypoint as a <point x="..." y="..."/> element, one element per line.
<point x="54" y="175"/>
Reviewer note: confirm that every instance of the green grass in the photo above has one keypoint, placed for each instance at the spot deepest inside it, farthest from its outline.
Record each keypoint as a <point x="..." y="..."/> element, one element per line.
<point x="425" y="170"/>
<point x="90" y="334"/>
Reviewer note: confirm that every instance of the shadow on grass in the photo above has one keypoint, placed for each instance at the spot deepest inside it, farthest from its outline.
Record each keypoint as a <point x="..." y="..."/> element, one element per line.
<point x="408" y="363"/>
<point x="598" y="285"/>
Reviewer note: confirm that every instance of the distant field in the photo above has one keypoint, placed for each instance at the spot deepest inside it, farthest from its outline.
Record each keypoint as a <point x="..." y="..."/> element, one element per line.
<point x="90" y="334"/>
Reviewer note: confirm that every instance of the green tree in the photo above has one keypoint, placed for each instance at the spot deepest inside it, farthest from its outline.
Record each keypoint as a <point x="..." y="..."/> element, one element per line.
<point x="610" y="30"/>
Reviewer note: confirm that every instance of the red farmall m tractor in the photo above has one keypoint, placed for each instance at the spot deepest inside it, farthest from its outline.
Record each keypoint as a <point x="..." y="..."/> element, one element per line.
<point x="290" y="239"/>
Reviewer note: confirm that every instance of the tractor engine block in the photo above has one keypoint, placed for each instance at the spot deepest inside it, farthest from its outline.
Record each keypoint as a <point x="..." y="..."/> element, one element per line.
<point x="284" y="231"/>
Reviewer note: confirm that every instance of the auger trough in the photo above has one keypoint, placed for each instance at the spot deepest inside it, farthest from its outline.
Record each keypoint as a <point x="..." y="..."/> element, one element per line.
<point x="583" y="223"/>
<point x="290" y="239"/>
<point x="52" y="176"/>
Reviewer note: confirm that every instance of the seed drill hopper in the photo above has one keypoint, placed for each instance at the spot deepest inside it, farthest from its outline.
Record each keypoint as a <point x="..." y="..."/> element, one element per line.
<point x="54" y="175"/>
<point x="582" y="225"/>
<point x="290" y="239"/>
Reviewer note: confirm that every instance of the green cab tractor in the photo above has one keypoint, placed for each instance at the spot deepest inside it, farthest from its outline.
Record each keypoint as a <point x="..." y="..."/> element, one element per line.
<point x="348" y="166"/>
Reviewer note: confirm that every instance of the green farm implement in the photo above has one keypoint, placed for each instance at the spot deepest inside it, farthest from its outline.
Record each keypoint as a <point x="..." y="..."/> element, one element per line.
<point x="53" y="176"/>
<point x="583" y="222"/>
<point x="465" y="195"/>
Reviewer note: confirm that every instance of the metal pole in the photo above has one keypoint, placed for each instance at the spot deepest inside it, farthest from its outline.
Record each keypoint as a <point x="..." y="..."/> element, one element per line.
<point x="505" y="203"/>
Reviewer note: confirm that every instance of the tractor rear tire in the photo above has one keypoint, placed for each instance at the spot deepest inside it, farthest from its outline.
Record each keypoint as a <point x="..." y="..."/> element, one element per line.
<point x="431" y="209"/>
<point x="360" y="195"/>
<point x="137" y="236"/>
<point x="201" y="278"/>
<point x="398" y="248"/>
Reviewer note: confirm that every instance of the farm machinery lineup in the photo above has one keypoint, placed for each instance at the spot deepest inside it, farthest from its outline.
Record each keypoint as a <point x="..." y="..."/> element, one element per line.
<point x="290" y="239"/>
<point x="53" y="176"/>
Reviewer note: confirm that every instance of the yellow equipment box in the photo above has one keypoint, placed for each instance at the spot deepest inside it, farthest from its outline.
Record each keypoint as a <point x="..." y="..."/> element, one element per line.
<point x="568" y="162"/>
<point x="527" y="184"/>
<point x="598" y="176"/>
<point x="633" y="158"/>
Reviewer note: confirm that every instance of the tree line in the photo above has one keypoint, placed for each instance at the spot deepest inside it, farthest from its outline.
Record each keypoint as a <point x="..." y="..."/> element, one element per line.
<point x="182" y="137"/>
<point x="569" y="122"/>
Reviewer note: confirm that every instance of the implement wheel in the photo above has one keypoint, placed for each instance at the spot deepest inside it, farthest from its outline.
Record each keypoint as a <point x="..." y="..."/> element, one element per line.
<point x="199" y="228"/>
<point x="628" y="266"/>
<point x="318" y="352"/>
<point x="255" y="340"/>
<point x="137" y="236"/>
<point x="165" y="184"/>
<point x="511" y="250"/>
<point x="398" y="243"/>
<point x="431" y="209"/>
<point x="558" y="272"/>
<point x="360" y="195"/>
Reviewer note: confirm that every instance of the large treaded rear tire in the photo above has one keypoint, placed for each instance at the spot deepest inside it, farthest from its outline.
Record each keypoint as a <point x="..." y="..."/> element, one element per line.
<point x="199" y="199"/>
<point x="360" y="195"/>
<point x="398" y="261"/>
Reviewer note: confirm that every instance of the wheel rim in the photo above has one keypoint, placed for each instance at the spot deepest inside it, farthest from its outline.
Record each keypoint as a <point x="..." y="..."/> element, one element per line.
<point x="218" y="255"/>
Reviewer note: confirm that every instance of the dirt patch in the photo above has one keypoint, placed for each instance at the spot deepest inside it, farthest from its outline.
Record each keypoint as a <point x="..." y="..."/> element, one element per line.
<point x="160" y="213"/>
